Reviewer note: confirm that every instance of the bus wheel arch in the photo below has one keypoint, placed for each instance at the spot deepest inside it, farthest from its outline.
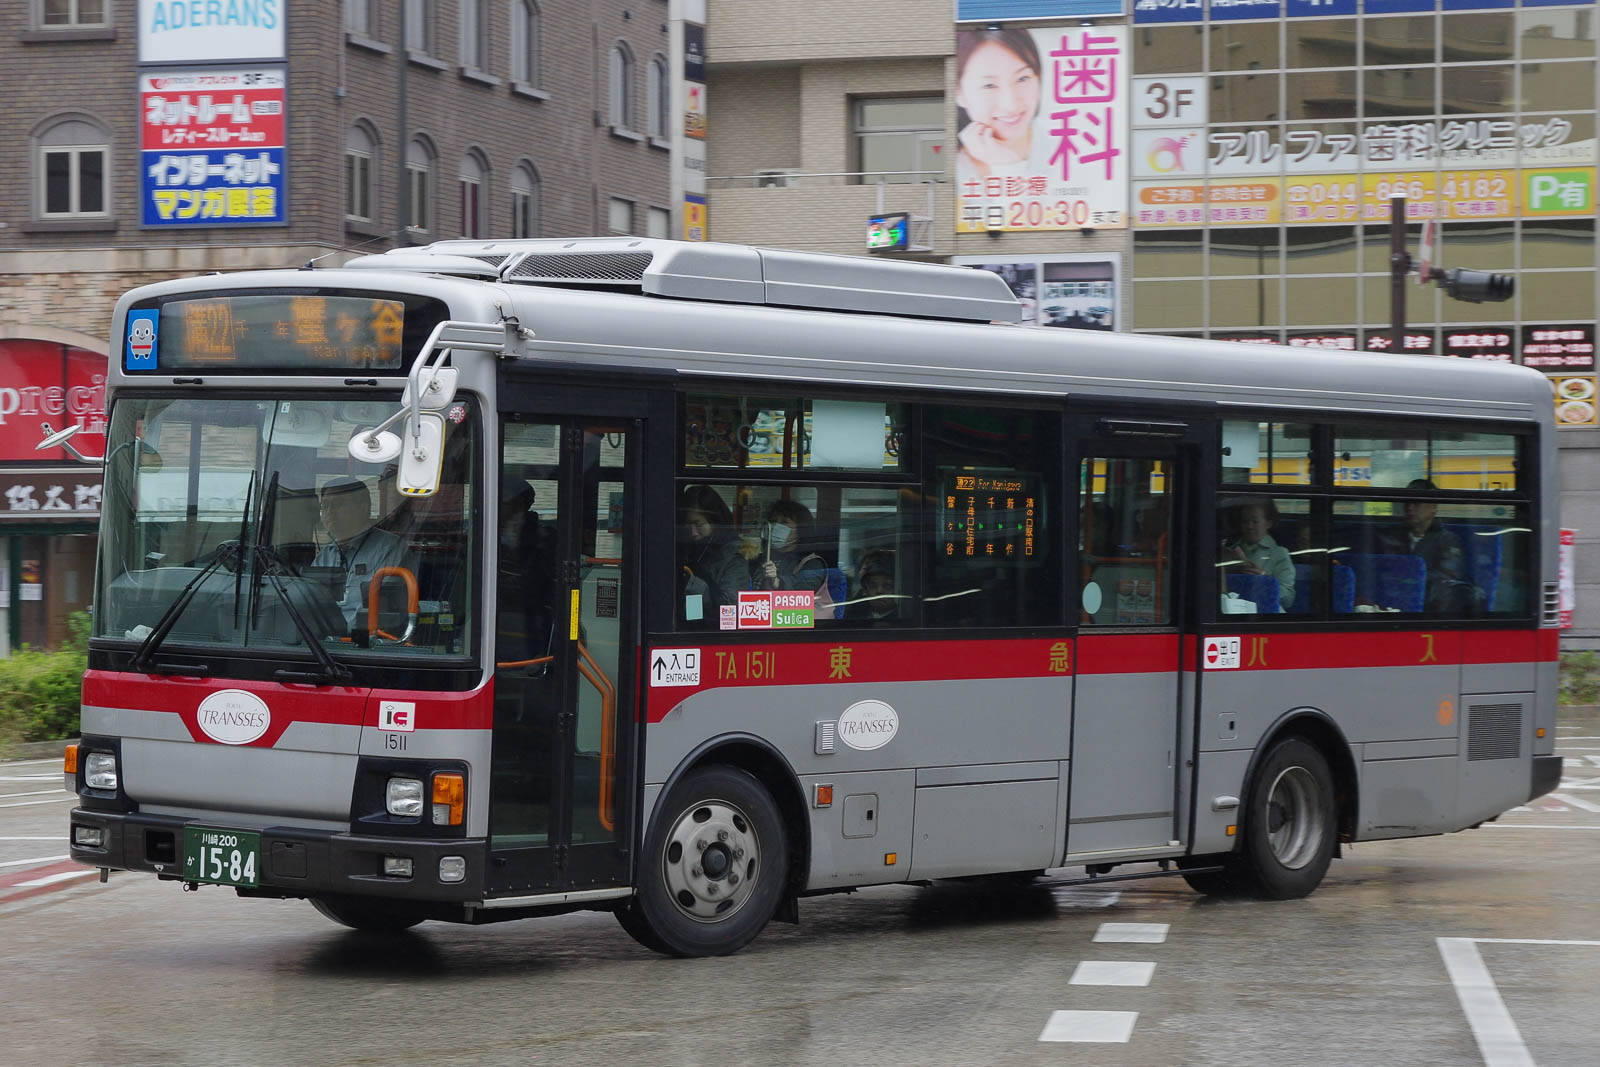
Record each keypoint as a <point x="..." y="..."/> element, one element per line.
<point x="1313" y="726"/>
<point x="735" y="786"/>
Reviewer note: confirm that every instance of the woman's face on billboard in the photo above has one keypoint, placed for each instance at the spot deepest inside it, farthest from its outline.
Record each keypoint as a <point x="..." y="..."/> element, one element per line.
<point x="999" y="90"/>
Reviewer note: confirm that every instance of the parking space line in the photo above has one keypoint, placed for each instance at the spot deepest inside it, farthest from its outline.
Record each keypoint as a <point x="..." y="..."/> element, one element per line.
<point x="35" y="860"/>
<point x="1132" y="933"/>
<point x="1114" y="1027"/>
<point x="1533" y="826"/>
<point x="1112" y="972"/>
<point x="1586" y="805"/>
<point x="32" y="803"/>
<point x="1497" y="1035"/>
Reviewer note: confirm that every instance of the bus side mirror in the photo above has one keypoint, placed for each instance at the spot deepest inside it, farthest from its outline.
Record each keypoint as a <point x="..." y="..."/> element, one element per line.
<point x="422" y="457"/>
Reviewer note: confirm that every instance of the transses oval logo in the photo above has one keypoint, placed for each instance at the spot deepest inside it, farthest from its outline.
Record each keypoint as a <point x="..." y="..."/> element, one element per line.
<point x="868" y="724"/>
<point x="234" y="717"/>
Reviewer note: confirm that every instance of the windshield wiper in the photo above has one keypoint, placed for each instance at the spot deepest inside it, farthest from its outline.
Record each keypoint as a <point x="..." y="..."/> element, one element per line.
<point x="169" y="618"/>
<point x="267" y="568"/>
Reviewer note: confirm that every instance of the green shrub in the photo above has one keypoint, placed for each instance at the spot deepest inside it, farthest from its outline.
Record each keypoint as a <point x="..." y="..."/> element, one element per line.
<point x="1580" y="678"/>
<point x="40" y="691"/>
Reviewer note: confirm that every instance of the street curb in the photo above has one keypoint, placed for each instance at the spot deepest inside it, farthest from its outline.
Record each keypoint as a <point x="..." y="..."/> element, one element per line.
<point x="35" y="749"/>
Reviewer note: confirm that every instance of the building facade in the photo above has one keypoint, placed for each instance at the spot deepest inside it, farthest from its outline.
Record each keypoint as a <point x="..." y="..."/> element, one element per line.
<point x="1205" y="168"/>
<point x="150" y="139"/>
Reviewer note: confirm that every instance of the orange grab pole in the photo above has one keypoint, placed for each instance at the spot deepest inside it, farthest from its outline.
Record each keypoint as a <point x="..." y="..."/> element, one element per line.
<point x="412" y="604"/>
<point x="608" y="734"/>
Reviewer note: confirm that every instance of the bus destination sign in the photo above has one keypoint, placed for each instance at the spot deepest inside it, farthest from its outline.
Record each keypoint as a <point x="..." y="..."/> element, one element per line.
<point x="268" y="332"/>
<point x="988" y="515"/>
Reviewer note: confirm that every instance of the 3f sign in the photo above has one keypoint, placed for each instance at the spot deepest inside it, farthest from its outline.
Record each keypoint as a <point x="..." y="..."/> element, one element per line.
<point x="1171" y="101"/>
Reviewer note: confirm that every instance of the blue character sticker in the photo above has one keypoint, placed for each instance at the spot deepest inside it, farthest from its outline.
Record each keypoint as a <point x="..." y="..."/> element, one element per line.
<point x="142" y="329"/>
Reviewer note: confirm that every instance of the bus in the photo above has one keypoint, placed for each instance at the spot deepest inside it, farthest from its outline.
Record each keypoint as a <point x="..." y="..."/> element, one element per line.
<point x="494" y="579"/>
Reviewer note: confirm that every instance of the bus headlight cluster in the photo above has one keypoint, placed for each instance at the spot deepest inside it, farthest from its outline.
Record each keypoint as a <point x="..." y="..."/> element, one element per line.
<point x="404" y="797"/>
<point x="100" y="771"/>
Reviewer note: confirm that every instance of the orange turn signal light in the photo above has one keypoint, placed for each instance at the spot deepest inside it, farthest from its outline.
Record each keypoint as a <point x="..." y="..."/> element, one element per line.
<point x="822" y="796"/>
<point x="891" y="858"/>
<point x="1541" y="731"/>
<point x="1232" y="830"/>
<point x="449" y="799"/>
<point x="69" y="760"/>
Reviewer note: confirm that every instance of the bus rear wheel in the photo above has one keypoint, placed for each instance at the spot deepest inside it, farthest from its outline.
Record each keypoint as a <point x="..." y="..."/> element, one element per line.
<point x="713" y="869"/>
<point x="1290" y="823"/>
<point x="370" y="915"/>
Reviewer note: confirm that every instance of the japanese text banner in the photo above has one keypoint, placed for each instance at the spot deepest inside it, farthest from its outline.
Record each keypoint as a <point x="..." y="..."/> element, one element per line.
<point x="212" y="147"/>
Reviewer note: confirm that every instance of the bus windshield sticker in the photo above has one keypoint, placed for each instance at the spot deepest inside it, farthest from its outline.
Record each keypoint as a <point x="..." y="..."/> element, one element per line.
<point x="868" y="724"/>
<point x="674" y="667"/>
<point x="778" y="609"/>
<point x="143" y="327"/>
<point x="397" y="715"/>
<point x="1222" y="653"/>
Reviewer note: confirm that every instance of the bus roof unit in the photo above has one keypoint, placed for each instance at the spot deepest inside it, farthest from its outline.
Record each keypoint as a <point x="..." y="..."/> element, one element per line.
<point x="727" y="274"/>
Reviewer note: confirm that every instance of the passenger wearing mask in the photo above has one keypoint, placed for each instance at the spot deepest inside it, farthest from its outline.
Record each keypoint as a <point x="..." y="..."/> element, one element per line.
<point x="787" y="564"/>
<point x="712" y="571"/>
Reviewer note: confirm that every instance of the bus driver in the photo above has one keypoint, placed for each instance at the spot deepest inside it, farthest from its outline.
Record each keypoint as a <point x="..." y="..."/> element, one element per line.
<point x="354" y="545"/>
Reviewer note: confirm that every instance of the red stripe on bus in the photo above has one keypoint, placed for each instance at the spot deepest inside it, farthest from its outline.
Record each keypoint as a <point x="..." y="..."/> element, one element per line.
<point x="1127" y="653"/>
<point x="331" y="705"/>
<point x="1392" y="648"/>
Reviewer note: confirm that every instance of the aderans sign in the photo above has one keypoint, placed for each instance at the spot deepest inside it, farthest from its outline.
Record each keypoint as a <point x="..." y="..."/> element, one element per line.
<point x="204" y="31"/>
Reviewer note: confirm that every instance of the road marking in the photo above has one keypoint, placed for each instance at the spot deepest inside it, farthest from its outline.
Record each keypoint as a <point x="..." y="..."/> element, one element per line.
<point x="1132" y="933"/>
<point x="31" y="803"/>
<point x="1586" y="805"/>
<point x="1083" y="897"/>
<point x="40" y="859"/>
<point x="52" y="837"/>
<point x="1535" y="826"/>
<point x="37" y="793"/>
<point x="1096" y="1026"/>
<point x="65" y="876"/>
<point x="1498" y="1037"/>
<point x="1112" y="972"/>
<point x="28" y="777"/>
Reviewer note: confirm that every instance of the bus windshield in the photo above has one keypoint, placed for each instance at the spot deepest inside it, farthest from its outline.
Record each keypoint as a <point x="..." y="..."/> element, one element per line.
<point x="244" y="523"/>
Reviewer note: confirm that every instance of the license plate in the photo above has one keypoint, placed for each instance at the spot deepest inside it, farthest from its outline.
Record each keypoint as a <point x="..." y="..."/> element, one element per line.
<point x="221" y="857"/>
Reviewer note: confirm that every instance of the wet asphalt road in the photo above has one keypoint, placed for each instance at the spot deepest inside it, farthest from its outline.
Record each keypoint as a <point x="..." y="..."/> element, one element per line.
<point x="136" y="972"/>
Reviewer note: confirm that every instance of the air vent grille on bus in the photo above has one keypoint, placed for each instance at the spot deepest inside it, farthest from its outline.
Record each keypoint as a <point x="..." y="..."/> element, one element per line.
<point x="1552" y="604"/>
<point x="493" y="261"/>
<point x="1494" y="731"/>
<point x="607" y="268"/>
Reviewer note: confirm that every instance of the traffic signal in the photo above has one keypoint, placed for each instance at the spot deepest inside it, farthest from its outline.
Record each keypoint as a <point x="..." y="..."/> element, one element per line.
<point x="1477" y="286"/>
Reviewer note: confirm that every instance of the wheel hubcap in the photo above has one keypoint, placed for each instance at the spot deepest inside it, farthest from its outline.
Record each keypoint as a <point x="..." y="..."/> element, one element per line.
<point x="1295" y="819"/>
<point x="711" y="860"/>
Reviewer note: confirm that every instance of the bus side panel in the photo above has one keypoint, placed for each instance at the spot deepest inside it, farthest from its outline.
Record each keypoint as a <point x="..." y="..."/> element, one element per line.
<point x="951" y="723"/>
<point x="864" y="836"/>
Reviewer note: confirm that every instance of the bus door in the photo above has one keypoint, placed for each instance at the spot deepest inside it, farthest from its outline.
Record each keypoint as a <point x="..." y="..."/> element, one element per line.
<point x="1130" y="693"/>
<point x="560" y="796"/>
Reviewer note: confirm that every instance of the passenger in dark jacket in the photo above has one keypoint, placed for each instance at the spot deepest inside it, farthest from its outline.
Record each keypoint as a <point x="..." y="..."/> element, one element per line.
<point x="711" y="567"/>
<point x="1449" y="592"/>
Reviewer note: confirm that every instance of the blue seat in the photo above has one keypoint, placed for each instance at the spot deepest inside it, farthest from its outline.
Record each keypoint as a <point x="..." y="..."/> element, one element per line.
<point x="1482" y="547"/>
<point x="1392" y="582"/>
<point x="1301" y="605"/>
<point x="1260" y="588"/>
<point x="1344" y="589"/>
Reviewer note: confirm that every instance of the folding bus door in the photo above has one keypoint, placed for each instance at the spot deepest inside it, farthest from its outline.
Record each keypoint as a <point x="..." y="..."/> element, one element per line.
<point x="1131" y="690"/>
<point x="561" y="798"/>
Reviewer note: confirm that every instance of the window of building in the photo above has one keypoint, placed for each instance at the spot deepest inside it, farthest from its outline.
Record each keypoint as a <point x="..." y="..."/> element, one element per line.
<point x="619" y="215"/>
<point x="1550" y="34"/>
<point x="621" y="87"/>
<point x="71" y="159"/>
<point x="360" y="163"/>
<point x="525" y="42"/>
<point x="525" y="201"/>
<point x="64" y="13"/>
<point x="359" y="18"/>
<point x="658" y="97"/>
<point x="472" y="179"/>
<point x="419" y="185"/>
<point x="899" y="139"/>
<point x="660" y="223"/>
<point x="419" y="26"/>
<point x="474" y="26"/>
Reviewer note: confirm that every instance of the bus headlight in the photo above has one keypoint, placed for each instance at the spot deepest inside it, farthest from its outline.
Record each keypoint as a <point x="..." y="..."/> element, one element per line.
<point x="100" y="771"/>
<point x="404" y="797"/>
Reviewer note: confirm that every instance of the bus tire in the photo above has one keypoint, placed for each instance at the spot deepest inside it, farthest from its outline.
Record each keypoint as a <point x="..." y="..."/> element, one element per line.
<point x="1290" y="823"/>
<point x="714" y="867"/>
<point x="370" y="915"/>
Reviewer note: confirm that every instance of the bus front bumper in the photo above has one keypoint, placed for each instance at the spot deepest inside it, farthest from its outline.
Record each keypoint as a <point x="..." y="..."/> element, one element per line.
<point x="294" y="862"/>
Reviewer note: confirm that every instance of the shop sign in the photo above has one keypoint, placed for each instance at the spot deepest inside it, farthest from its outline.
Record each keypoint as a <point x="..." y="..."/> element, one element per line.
<point x="1566" y="569"/>
<point x="1559" y="349"/>
<point x="40" y="496"/>
<point x="1495" y="343"/>
<point x="48" y="382"/>
<point x="1006" y="10"/>
<point x="1416" y="343"/>
<point x="1575" y="401"/>
<point x="1148" y="11"/>
<point x="889" y="233"/>
<point x="1332" y="340"/>
<point x="1073" y="291"/>
<point x="213" y="147"/>
<point x="186" y="31"/>
<point x="1059" y="161"/>
<point x="1558" y="192"/>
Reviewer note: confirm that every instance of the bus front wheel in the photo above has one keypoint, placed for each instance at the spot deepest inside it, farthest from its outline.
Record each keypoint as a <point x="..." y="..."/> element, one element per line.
<point x="713" y="869"/>
<point x="1289" y="824"/>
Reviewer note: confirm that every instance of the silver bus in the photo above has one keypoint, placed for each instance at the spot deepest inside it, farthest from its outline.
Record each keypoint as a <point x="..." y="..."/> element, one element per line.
<point x="487" y="580"/>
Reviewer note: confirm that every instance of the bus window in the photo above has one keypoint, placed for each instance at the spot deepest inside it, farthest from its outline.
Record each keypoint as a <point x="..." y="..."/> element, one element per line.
<point x="1377" y="456"/>
<point x="791" y="433"/>
<point x="1272" y="556"/>
<point x="1124" y="542"/>
<point x="1266" y="453"/>
<point x="1442" y="558"/>
<point x="993" y="560"/>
